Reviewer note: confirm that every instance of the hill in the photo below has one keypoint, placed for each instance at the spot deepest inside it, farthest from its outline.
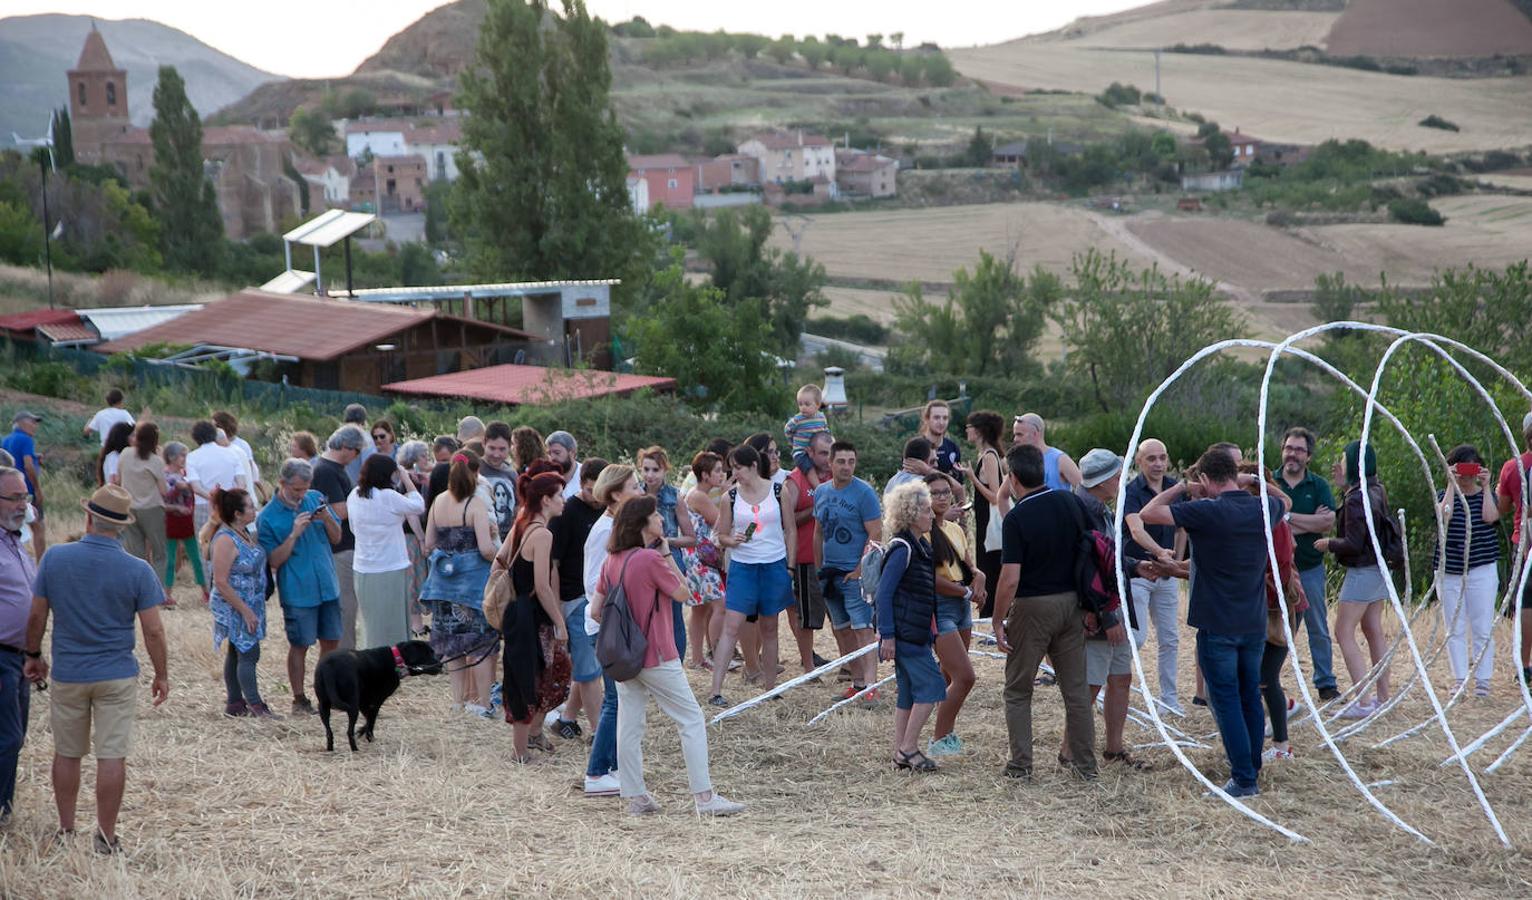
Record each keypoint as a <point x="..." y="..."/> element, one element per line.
<point x="1248" y="25"/>
<point x="439" y="44"/>
<point x="36" y="51"/>
<point x="1409" y="28"/>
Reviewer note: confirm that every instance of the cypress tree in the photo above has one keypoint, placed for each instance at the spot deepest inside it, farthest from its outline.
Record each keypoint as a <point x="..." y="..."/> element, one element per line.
<point x="191" y="230"/>
<point x="63" y="139"/>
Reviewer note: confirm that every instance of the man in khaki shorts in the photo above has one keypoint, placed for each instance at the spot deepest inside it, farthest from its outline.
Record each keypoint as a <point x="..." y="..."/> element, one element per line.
<point x="94" y="589"/>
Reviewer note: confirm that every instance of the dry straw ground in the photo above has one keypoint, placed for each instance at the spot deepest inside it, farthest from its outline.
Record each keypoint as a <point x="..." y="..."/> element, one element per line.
<point x="225" y="808"/>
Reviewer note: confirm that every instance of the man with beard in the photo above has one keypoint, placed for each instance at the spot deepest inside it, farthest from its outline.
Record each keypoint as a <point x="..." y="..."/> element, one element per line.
<point x="16" y="574"/>
<point x="561" y="449"/>
<point x="933" y="427"/>
<point x="1313" y="515"/>
<point x="495" y="467"/>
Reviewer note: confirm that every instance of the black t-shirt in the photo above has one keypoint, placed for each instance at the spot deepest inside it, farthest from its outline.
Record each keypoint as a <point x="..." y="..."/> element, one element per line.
<point x="569" y="530"/>
<point x="331" y="480"/>
<point x="1042" y="533"/>
<point x="437" y="482"/>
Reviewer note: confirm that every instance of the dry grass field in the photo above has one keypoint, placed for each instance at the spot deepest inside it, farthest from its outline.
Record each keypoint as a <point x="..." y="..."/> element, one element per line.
<point x="929" y="244"/>
<point x="1276" y="100"/>
<point x="1232" y="29"/>
<point x="238" y="808"/>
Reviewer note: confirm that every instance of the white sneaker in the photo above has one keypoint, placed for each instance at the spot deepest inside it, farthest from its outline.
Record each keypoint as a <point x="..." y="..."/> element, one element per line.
<point x="603" y="785"/>
<point x="474" y="709"/>
<point x="642" y="806"/>
<point x="1294" y="706"/>
<point x="1172" y="707"/>
<point x="718" y="805"/>
<point x="1273" y="754"/>
<point x="1359" y="710"/>
<point x="552" y="718"/>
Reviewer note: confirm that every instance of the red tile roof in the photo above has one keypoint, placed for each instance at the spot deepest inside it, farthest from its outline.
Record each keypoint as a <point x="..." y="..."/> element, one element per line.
<point x="783" y="140"/>
<point x="531" y="385"/>
<point x="27" y="321"/>
<point x="657" y="161"/>
<point x="861" y="162"/>
<point x="291" y="325"/>
<point x="68" y="332"/>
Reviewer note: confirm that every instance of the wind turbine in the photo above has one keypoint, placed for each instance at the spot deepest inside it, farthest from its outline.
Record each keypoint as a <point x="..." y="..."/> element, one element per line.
<point x="48" y="236"/>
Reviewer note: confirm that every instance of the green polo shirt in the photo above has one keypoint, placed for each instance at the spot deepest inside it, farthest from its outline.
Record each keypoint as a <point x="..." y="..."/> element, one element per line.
<point x="1308" y="496"/>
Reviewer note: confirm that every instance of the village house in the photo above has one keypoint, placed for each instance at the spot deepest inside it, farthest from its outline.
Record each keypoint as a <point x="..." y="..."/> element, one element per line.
<point x="390" y="184"/>
<point x="436" y="142"/>
<point x="671" y="180"/>
<point x="328" y="180"/>
<point x="731" y="170"/>
<point x="786" y="156"/>
<point x="862" y="174"/>
<point x="246" y="164"/>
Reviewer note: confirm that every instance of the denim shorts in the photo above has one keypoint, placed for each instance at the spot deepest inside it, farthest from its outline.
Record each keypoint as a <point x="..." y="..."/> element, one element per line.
<point x="917" y="675"/>
<point x="850" y="609"/>
<point x="582" y="646"/>
<point x="759" y="589"/>
<point x="953" y="614"/>
<point x="306" y="624"/>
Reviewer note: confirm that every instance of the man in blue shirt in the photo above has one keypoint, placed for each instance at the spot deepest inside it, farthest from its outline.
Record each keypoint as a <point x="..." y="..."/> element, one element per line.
<point x="847" y="517"/>
<point x="306" y="582"/>
<point x="94" y="589"/>
<point x="1228" y="602"/>
<point x="21" y="444"/>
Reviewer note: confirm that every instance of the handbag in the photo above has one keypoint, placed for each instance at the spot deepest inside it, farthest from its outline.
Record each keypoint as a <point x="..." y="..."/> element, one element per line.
<point x="497" y="590"/>
<point x="993" y="539"/>
<point x="709" y="555"/>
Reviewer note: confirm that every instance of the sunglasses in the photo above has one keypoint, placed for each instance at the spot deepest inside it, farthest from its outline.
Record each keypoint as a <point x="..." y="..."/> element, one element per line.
<point x="381" y="436"/>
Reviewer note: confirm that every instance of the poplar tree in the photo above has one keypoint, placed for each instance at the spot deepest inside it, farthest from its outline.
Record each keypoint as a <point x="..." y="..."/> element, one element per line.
<point x="543" y="192"/>
<point x="191" y="230"/>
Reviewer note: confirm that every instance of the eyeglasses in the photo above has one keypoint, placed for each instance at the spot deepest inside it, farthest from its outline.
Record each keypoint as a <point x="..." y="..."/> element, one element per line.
<point x="16" y="498"/>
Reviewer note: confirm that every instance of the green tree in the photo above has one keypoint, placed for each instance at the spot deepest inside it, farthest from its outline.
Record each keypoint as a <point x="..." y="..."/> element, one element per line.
<point x="988" y="325"/>
<point x="21" y="235"/>
<point x="543" y="187"/>
<point x="881" y="63"/>
<point x="898" y="39"/>
<point x="782" y="49"/>
<point x="191" y="230"/>
<point x="1126" y="330"/>
<point x="312" y="130"/>
<point x="981" y="148"/>
<point x="63" y="138"/>
<point x="911" y="70"/>
<point x="714" y="349"/>
<point x="813" y="52"/>
<point x="1334" y="299"/>
<point x="1164" y="145"/>
<point x="874" y="41"/>
<point x="1220" y="149"/>
<point x="1484" y="308"/>
<point x="750" y="45"/>
<point x="939" y="70"/>
<point x="782" y="287"/>
<point x="356" y="103"/>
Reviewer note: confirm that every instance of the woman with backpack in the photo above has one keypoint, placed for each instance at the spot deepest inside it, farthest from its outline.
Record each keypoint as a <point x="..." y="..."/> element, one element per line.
<point x="906" y="601"/>
<point x="1364" y="589"/>
<point x="639" y="560"/>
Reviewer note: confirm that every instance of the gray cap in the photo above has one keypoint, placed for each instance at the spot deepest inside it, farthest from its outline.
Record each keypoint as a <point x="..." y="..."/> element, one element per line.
<point x="26" y="416"/>
<point x="1098" y="466"/>
<point x="563" y="439"/>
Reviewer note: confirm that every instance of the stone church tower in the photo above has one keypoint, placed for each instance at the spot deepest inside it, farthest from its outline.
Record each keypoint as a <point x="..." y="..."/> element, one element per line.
<point x="98" y="99"/>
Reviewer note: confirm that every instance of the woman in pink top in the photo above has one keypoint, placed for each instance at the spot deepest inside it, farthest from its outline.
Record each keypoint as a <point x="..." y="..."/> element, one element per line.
<point x="640" y="556"/>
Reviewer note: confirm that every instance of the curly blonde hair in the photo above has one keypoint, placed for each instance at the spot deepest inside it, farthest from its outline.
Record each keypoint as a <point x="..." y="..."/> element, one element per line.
<point x="903" y="505"/>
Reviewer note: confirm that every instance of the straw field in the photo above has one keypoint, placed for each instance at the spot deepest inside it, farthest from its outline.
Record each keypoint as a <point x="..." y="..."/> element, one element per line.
<point x="1232" y="29"/>
<point x="1277" y="100"/>
<point x="434" y="808"/>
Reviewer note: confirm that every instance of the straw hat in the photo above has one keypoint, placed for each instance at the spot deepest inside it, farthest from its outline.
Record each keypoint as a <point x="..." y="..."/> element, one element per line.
<point x="110" y="503"/>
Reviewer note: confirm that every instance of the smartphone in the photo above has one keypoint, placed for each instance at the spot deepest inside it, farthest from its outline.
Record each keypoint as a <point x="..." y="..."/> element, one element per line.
<point x="321" y="508"/>
<point x="749" y="531"/>
<point x="1467" y="469"/>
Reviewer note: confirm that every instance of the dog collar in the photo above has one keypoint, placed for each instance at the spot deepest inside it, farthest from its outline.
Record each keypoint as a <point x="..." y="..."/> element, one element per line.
<point x="400" y="668"/>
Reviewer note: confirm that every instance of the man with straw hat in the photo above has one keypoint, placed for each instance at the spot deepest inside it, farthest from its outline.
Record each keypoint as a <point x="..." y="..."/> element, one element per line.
<point x="94" y="589"/>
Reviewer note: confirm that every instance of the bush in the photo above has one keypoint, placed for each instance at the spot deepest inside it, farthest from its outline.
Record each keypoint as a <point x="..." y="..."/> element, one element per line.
<point x="858" y="329"/>
<point x="1435" y="121"/>
<point x="1415" y="212"/>
<point x="1118" y="94"/>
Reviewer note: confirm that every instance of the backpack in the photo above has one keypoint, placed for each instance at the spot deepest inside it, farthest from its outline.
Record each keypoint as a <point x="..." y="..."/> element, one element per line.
<point x="620" y="644"/>
<point x="1095" y="566"/>
<point x="1391" y="537"/>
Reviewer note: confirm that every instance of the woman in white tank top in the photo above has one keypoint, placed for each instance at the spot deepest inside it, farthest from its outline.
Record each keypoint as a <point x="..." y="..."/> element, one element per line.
<point x="760" y="541"/>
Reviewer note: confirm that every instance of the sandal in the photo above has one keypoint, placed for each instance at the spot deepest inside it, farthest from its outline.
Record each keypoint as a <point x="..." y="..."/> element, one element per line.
<point x="540" y="742"/>
<point x="1045" y="680"/>
<point x="1065" y="762"/>
<point x="917" y="761"/>
<point x="1125" y="758"/>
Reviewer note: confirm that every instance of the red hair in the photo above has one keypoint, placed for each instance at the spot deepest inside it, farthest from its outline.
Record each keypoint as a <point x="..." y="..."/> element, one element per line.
<point x="534" y="491"/>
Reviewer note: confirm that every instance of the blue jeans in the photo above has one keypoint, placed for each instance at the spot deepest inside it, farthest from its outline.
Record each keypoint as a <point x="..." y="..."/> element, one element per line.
<point x="603" y="747"/>
<point x="15" y="698"/>
<point x="678" y="621"/>
<point x="1231" y="666"/>
<point x="1317" y="620"/>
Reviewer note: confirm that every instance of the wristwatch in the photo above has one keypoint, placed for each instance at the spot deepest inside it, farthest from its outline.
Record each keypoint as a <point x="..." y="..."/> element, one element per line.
<point x="32" y="654"/>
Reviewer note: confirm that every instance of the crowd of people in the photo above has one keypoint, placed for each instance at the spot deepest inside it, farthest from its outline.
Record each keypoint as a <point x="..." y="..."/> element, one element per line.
<point x="366" y="540"/>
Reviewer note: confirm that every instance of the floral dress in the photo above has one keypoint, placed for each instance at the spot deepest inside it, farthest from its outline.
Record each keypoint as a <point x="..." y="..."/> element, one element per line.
<point x="706" y="582"/>
<point x="247" y="575"/>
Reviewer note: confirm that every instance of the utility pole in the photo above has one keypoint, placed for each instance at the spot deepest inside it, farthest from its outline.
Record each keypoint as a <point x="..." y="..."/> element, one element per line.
<point x="1157" y="93"/>
<point x="43" y="161"/>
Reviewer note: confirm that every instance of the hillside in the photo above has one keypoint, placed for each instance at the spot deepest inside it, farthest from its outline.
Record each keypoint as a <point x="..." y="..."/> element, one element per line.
<point x="1410" y="28"/>
<point x="36" y="51"/>
<point x="1268" y="25"/>
<point x="439" y="44"/>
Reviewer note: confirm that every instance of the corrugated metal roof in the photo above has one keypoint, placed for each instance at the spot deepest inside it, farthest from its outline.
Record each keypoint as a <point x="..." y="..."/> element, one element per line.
<point x="291" y="325"/>
<point x="457" y="291"/>
<point x="290" y="282"/>
<point x="329" y="228"/>
<point x="514" y="385"/>
<point x="119" y="322"/>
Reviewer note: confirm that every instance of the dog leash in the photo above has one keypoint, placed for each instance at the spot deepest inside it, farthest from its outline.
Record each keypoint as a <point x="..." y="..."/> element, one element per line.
<point x="488" y="646"/>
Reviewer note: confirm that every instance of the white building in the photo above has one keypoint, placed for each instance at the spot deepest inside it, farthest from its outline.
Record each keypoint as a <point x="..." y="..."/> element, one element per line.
<point x="791" y="156"/>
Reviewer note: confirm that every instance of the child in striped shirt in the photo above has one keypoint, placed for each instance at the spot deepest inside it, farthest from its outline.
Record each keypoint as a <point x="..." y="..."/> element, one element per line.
<point x="801" y="428"/>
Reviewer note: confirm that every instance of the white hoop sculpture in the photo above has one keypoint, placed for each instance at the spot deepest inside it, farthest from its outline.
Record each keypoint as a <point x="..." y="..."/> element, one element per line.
<point x="1435" y="343"/>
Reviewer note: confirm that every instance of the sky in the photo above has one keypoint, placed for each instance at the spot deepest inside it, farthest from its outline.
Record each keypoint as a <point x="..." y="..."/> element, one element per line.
<point x="262" y="34"/>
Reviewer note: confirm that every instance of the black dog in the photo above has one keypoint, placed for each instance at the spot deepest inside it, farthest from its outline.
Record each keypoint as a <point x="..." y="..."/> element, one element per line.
<point x="359" y="681"/>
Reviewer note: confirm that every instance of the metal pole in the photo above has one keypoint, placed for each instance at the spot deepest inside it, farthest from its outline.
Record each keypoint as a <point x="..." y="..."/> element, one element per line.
<point x="42" y="163"/>
<point x="349" y="290"/>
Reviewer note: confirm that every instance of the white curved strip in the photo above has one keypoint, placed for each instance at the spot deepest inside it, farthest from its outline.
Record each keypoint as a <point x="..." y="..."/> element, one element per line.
<point x="1501" y="759"/>
<point x="851" y="699"/>
<point x="788" y="685"/>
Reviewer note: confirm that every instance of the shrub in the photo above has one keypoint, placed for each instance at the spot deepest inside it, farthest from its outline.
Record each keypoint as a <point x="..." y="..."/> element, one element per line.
<point x="858" y="329"/>
<point x="1435" y="121"/>
<point x="1415" y="212"/>
<point x="1118" y="94"/>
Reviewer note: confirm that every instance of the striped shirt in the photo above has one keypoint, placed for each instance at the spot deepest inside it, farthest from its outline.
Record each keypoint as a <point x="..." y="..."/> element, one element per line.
<point x="800" y="430"/>
<point x="1484" y="546"/>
